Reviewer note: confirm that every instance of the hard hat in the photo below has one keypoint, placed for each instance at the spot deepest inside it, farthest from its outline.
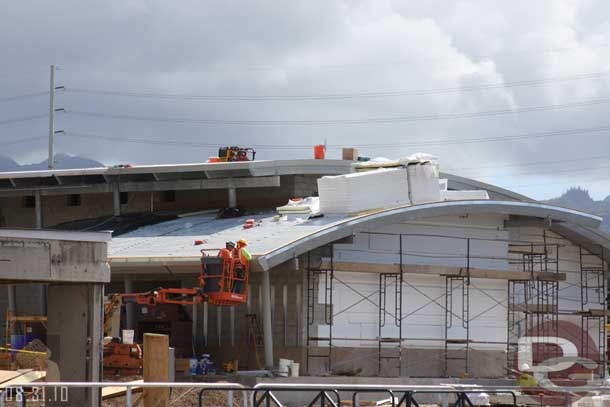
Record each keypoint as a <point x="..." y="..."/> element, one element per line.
<point x="230" y="243"/>
<point x="242" y="242"/>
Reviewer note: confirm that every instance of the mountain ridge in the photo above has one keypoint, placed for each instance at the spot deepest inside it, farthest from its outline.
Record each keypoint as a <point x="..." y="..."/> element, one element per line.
<point x="579" y="199"/>
<point x="62" y="162"/>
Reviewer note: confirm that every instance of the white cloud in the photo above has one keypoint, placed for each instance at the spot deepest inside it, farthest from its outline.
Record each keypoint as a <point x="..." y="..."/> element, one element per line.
<point x="315" y="47"/>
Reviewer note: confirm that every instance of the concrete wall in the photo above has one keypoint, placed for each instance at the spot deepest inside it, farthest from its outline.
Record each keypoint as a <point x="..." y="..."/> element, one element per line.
<point x="13" y="214"/>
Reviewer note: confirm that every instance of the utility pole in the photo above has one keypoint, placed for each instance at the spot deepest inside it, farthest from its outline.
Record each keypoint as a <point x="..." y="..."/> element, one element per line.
<point x="52" y="110"/>
<point x="51" y="116"/>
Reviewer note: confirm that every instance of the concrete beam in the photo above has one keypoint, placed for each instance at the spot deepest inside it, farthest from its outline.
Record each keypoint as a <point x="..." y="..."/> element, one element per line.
<point x="38" y="209"/>
<point x="218" y="183"/>
<point x="145" y="186"/>
<point x="42" y="260"/>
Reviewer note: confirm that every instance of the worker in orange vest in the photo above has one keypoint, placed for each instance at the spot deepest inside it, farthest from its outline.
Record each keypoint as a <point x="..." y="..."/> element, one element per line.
<point x="228" y="251"/>
<point x="227" y="260"/>
<point x="242" y="253"/>
<point x="244" y="257"/>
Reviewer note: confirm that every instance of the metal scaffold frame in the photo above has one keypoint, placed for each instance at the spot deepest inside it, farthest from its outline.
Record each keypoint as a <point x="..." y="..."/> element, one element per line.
<point x="533" y="304"/>
<point x="386" y="342"/>
<point x="314" y="274"/>
<point x="454" y="345"/>
<point x="594" y="267"/>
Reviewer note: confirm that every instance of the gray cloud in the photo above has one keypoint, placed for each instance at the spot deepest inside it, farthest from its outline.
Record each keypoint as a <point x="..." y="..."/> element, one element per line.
<point x="317" y="47"/>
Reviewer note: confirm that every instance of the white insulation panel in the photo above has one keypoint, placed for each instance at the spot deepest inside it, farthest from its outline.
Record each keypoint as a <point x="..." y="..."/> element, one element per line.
<point x="361" y="191"/>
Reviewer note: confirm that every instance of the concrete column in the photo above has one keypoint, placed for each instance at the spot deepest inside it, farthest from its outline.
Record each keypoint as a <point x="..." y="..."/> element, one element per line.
<point x="74" y="336"/>
<point x="116" y="199"/>
<point x="205" y="324"/>
<point x="38" y="209"/>
<point x="194" y="327"/>
<point x="232" y="197"/>
<point x="267" y="320"/>
<point x="130" y="316"/>
<point x="12" y="298"/>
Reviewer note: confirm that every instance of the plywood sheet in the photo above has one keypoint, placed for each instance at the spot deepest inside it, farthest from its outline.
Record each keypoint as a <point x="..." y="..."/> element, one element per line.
<point x="116" y="391"/>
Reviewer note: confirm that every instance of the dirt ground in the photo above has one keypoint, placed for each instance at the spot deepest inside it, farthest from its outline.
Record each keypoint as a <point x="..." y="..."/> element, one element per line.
<point x="184" y="397"/>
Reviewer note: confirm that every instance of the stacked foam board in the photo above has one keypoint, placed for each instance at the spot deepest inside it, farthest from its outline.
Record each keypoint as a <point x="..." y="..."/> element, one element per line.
<point x="356" y="192"/>
<point x="305" y="206"/>
<point x="423" y="181"/>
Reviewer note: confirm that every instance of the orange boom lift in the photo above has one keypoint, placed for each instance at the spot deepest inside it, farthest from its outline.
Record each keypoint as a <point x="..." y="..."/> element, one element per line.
<point x="223" y="281"/>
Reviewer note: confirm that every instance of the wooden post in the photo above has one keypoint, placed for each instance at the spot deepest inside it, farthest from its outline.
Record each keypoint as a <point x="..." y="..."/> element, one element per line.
<point x="156" y="369"/>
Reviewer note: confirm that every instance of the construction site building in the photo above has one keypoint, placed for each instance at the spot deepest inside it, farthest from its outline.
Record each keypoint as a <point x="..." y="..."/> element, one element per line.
<point x="437" y="287"/>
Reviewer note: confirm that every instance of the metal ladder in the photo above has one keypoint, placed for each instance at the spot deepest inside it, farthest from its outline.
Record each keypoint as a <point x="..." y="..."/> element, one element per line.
<point x="457" y="348"/>
<point x="390" y="348"/>
<point x="314" y="276"/>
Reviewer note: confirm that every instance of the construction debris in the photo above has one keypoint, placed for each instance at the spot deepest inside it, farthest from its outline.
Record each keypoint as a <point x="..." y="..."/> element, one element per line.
<point x="34" y="357"/>
<point x="112" y="392"/>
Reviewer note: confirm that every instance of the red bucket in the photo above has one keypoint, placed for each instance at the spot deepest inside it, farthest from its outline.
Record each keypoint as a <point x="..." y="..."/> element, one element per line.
<point x="319" y="151"/>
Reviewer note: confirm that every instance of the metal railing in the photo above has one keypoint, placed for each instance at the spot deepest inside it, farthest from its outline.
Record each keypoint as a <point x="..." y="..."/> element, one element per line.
<point x="323" y="395"/>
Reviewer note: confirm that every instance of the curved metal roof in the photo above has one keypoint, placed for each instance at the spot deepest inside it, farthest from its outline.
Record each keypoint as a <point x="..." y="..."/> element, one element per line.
<point x="495" y="192"/>
<point x="592" y="239"/>
<point x="347" y="227"/>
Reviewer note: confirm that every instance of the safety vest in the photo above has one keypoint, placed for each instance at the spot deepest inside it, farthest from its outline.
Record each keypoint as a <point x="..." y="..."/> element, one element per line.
<point x="244" y="255"/>
<point x="225" y="254"/>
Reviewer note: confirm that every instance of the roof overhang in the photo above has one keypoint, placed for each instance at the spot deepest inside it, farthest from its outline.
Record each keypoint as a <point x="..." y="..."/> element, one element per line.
<point x="377" y="219"/>
<point x="163" y="177"/>
<point x="592" y="239"/>
<point x="64" y="235"/>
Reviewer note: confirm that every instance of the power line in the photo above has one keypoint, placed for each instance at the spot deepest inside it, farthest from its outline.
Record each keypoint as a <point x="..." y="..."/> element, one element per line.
<point x="23" y="140"/>
<point x="22" y="119"/>
<point x="336" y="96"/>
<point x="454" y="141"/>
<point x="243" y="67"/>
<point x="438" y="142"/>
<point x="596" y="179"/>
<point x="555" y="171"/>
<point x="330" y="122"/>
<point x="537" y="163"/>
<point x="24" y="96"/>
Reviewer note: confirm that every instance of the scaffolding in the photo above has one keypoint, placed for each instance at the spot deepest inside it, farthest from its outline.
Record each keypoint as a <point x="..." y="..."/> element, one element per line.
<point x="457" y="323"/>
<point x="594" y="307"/>
<point x="390" y="332"/>
<point x="323" y="344"/>
<point x="533" y="304"/>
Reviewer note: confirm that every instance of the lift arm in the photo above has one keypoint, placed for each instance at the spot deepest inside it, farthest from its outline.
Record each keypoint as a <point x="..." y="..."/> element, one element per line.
<point x="180" y="296"/>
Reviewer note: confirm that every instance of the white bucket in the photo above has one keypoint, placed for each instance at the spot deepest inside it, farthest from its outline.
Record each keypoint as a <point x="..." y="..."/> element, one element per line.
<point x="193" y="366"/>
<point x="294" y="369"/>
<point x="128" y="336"/>
<point x="284" y="366"/>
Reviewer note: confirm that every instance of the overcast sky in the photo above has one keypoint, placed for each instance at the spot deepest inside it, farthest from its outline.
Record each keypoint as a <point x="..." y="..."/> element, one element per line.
<point x="392" y="78"/>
